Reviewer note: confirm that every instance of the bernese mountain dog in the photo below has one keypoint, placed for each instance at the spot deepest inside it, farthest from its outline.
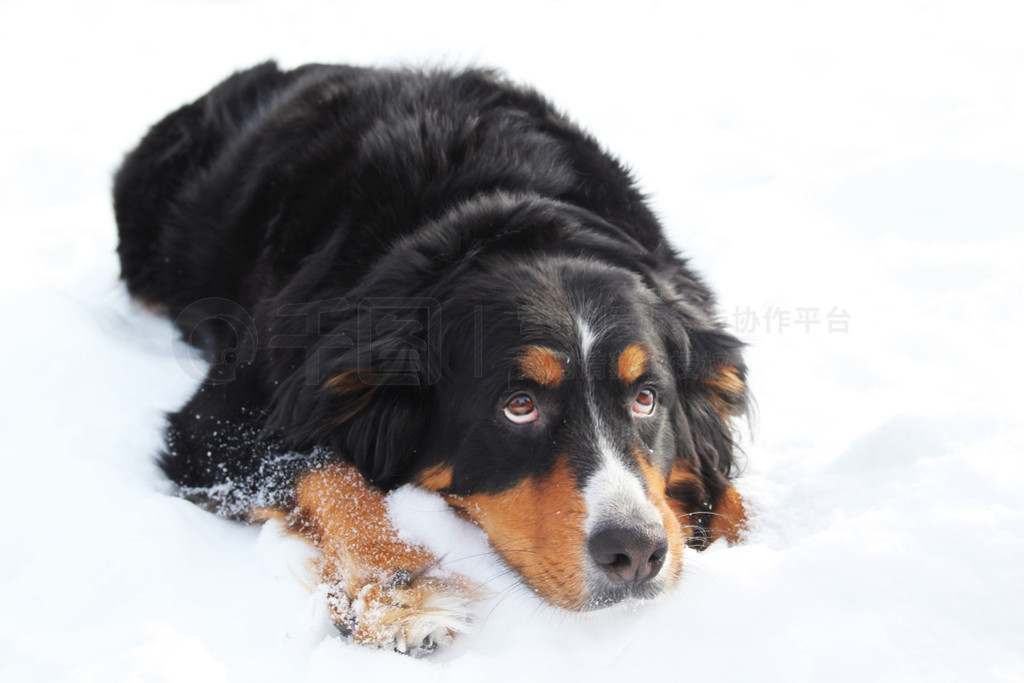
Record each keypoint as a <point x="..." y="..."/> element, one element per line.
<point x="431" y="277"/>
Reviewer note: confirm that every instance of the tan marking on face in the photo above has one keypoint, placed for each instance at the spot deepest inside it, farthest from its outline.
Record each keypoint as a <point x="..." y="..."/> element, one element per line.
<point x="537" y="527"/>
<point x="542" y="365"/>
<point x="633" y="362"/>
<point x="435" y="478"/>
<point x="348" y="520"/>
<point x="726" y="390"/>
<point x="728" y="513"/>
<point x="682" y="475"/>
<point x="729" y="519"/>
<point x="657" y="485"/>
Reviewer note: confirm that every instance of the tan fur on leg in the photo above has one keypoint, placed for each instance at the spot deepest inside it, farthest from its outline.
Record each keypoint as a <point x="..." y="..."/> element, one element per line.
<point x="381" y="590"/>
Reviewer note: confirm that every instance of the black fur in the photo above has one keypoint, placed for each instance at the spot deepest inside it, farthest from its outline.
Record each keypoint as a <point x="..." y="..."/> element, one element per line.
<point x="360" y="253"/>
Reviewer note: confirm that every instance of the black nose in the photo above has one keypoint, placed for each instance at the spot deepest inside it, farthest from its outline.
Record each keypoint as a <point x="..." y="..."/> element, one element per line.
<point x="629" y="554"/>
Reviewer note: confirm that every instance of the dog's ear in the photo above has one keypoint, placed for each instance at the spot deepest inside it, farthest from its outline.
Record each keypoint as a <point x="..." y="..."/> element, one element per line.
<point x="364" y="388"/>
<point x="711" y="382"/>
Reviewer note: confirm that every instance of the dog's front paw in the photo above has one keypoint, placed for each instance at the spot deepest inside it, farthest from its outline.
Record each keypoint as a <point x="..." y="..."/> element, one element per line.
<point x="409" y="614"/>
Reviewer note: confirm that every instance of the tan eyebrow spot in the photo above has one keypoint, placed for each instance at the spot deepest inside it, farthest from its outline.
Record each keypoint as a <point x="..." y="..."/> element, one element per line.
<point x="542" y="365"/>
<point x="633" y="362"/>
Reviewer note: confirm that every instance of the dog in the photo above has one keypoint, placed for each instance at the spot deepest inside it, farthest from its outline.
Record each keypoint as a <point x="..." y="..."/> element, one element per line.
<point x="432" y="277"/>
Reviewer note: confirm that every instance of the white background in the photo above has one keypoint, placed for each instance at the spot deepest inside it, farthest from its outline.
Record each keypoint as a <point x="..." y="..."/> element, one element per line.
<point x="861" y="163"/>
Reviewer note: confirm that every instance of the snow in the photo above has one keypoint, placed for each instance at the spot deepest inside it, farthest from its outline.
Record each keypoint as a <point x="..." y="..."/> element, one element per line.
<point x="847" y="176"/>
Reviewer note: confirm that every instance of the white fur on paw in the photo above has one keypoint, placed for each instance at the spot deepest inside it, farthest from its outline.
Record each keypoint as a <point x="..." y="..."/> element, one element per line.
<point x="412" y="617"/>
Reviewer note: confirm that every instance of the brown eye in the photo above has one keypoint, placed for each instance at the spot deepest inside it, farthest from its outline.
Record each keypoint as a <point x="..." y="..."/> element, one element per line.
<point x="521" y="409"/>
<point x="643" y="404"/>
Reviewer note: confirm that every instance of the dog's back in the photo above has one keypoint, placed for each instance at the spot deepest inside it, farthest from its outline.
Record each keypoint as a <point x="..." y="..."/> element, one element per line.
<point x="153" y="184"/>
<point x="226" y="196"/>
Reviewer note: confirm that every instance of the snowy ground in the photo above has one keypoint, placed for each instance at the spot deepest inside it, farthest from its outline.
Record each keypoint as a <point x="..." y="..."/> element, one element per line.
<point x="850" y="179"/>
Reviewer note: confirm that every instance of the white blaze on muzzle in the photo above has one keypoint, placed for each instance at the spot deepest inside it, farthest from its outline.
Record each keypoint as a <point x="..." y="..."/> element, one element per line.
<point x="614" y="494"/>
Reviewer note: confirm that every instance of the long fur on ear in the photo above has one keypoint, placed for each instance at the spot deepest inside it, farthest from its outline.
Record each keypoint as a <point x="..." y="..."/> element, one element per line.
<point x="715" y="392"/>
<point x="363" y="390"/>
<point x="710" y="377"/>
